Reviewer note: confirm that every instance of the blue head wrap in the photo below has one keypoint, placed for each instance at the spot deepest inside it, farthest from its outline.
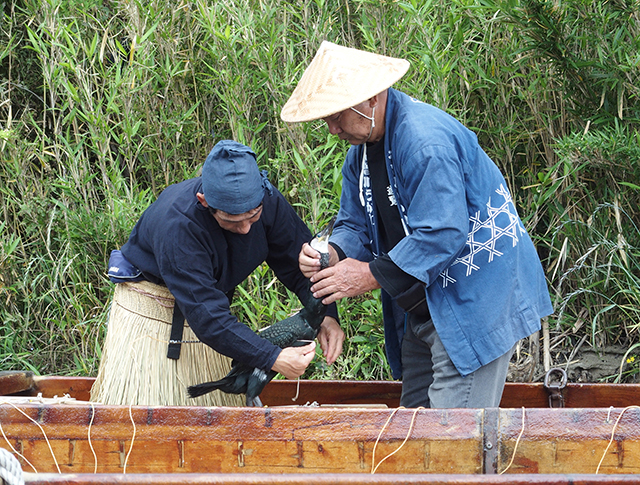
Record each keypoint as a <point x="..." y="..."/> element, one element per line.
<point x="231" y="180"/>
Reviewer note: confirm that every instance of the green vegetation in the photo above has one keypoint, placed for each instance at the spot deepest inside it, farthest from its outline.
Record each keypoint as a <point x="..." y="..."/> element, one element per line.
<point x="103" y="104"/>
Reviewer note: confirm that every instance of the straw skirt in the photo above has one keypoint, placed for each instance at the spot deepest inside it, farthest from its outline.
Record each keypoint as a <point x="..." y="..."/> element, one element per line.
<point x="134" y="368"/>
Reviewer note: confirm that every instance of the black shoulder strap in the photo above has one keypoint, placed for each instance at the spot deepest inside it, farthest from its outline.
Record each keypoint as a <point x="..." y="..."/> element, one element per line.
<point x="177" y="328"/>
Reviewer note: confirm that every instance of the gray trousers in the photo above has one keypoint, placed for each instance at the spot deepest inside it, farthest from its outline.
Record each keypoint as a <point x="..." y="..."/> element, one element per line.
<point x="430" y="380"/>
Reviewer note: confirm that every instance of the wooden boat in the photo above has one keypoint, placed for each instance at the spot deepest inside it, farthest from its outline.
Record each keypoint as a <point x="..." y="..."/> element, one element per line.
<point x="336" y="432"/>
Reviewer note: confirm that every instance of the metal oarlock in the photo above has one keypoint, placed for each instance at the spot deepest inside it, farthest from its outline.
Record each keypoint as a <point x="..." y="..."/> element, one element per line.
<point x="554" y="382"/>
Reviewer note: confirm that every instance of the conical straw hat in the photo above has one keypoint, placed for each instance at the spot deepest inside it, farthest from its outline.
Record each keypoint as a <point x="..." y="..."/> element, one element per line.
<point x="339" y="78"/>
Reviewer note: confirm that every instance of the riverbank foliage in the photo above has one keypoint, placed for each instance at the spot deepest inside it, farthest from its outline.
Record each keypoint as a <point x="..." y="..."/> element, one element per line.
<point x="104" y="103"/>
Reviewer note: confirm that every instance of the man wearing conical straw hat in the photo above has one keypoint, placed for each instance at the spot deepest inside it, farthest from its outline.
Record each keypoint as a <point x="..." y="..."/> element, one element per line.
<point x="426" y="216"/>
<point x="185" y="256"/>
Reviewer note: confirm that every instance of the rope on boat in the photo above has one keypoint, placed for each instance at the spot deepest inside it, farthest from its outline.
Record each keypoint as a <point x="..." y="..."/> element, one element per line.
<point x="43" y="434"/>
<point x="515" y="447"/>
<point x="10" y="469"/>
<point x="133" y="437"/>
<point x="613" y="432"/>
<point x="373" y="457"/>
<point x="295" y="398"/>
<point x="95" y="457"/>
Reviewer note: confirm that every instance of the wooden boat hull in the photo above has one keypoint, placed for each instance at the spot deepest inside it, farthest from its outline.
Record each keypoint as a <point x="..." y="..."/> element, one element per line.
<point x="324" y="443"/>
<point x="81" y="438"/>
<point x="283" y="392"/>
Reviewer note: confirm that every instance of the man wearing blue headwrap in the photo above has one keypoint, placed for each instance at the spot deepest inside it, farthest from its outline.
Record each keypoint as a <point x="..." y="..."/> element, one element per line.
<point x="204" y="236"/>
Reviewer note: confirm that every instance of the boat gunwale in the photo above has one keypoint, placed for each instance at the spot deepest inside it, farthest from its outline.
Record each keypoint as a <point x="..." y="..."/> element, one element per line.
<point x="327" y="479"/>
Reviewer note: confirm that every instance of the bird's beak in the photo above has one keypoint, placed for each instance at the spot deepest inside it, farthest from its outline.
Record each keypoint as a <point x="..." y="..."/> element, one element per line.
<point x="324" y="234"/>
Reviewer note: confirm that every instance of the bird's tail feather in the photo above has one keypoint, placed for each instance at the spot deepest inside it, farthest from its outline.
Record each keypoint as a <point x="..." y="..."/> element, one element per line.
<point x="225" y="385"/>
<point x="201" y="389"/>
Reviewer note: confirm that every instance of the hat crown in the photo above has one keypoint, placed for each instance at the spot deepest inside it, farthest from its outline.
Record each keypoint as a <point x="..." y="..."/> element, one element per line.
<point x="338" y="78"/>
<point x="231" y="180"/>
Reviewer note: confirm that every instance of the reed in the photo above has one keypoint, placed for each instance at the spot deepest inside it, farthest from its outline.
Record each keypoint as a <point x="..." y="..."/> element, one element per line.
<point x="103" y="104"/>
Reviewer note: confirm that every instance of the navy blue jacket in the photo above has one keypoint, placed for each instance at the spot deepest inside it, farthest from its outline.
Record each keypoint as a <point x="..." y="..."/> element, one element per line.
<point x="177" y="242"/>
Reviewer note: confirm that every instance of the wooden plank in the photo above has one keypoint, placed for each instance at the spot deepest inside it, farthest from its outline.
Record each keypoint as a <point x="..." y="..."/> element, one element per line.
<point x="222" y="440"/>
<point x="50" y="386"/>
<point x="569" y="441"/>
<point x="324" y="479"/>
<point x="12" y="382"/>
<point x="317" y="440"/>
<point x="282" y="392"/>
<point x="576" y="395"/>
<point x="415" y="456"/>
<point x="516" y="395"/>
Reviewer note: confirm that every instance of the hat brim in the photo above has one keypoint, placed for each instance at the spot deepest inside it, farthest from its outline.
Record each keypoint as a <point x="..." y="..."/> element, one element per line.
<point x="339" y="78"/>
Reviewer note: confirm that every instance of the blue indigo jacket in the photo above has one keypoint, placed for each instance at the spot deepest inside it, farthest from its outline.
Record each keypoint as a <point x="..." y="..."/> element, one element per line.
<point x="483" y="279"/>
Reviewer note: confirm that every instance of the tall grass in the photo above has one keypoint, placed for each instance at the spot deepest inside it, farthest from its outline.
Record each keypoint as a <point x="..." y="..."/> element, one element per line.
<point x="594" y="263"/>
<point x="103" y="104"/>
